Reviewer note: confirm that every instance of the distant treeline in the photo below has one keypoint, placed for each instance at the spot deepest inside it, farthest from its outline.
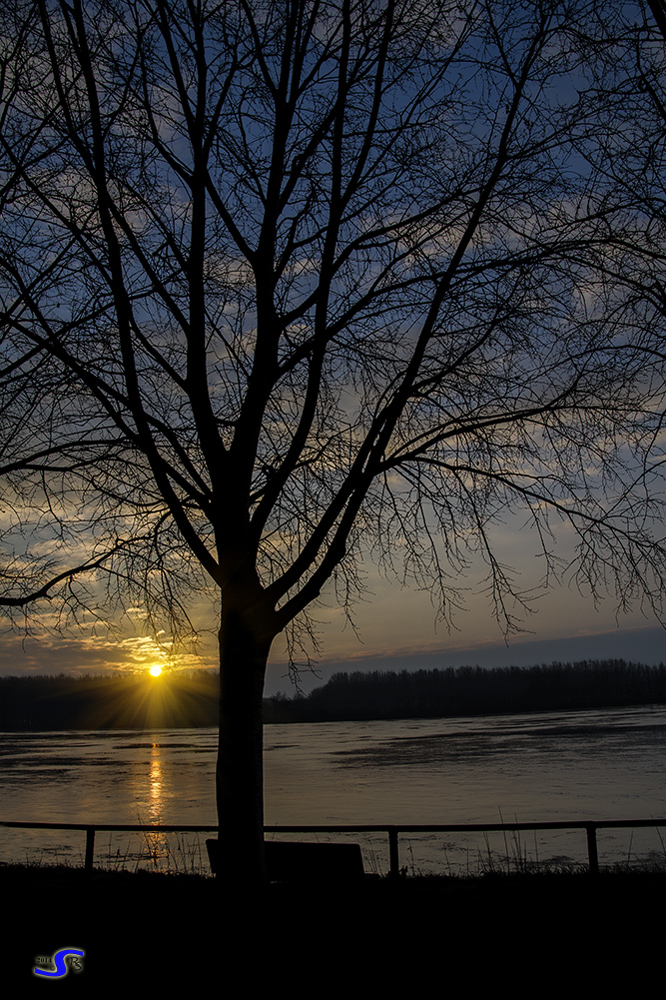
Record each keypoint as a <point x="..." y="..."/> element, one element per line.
<point x="475" y="691"/>
<point x="109" y="702"/>
<point x="190" y="700"/>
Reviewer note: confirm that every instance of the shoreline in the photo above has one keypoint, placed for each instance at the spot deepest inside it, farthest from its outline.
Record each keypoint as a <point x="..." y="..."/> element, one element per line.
<point x="654" y="706"/>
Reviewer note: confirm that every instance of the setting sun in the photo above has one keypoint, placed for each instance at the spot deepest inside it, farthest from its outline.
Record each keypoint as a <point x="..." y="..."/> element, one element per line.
<point x="155" y="671"/>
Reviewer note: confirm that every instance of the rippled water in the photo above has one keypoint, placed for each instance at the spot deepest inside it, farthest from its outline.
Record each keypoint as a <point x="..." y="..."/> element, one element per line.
<point x="560" y="766"/>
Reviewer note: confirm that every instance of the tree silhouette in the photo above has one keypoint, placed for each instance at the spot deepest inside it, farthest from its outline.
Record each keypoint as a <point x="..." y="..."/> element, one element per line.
<point x="287" y="282"/>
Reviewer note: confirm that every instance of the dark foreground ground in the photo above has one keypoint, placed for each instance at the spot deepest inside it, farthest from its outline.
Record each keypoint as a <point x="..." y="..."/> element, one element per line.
<point x="154" y="936"/>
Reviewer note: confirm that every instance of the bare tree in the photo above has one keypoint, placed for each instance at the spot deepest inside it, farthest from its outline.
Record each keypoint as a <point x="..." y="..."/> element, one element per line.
<point x="285" y="282"/>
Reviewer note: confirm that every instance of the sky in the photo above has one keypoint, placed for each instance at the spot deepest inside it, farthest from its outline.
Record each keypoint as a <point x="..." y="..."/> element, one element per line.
<point x="396" y="629"/>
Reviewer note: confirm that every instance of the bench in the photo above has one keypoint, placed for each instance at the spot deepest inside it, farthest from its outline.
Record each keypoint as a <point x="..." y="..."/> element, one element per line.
<point x="288" y="861"/>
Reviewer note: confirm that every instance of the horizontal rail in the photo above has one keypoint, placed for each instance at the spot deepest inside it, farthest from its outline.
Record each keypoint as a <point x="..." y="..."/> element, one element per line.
<point x="391" y="829"/>
<point x="578" y="824"/>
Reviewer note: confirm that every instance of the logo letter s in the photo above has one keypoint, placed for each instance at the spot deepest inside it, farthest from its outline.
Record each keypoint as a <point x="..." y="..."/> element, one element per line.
<point x="60" y="964"/>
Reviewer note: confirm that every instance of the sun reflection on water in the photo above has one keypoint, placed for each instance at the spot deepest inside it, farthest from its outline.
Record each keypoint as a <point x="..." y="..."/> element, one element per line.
<point x="155" y="784"/>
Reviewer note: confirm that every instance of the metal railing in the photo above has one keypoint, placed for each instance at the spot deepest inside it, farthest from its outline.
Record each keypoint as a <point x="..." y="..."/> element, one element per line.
<point x="392" y="830"/>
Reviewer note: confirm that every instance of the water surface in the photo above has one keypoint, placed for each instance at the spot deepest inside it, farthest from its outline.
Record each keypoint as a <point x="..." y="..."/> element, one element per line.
<point x="547" y="766"/>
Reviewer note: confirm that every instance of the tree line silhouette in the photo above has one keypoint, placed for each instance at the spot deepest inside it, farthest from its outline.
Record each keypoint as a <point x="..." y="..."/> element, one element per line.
<point x="133" y="701"/>
<point x="191" y="699"/>
<point x="476" y="691"/>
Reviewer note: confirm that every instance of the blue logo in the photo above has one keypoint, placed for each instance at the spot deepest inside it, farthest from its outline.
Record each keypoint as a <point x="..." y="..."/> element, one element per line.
<point x="61" y="967"/>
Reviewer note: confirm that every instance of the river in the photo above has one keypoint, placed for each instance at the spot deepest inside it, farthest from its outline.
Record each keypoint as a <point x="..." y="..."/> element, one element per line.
<point x="592" y="765"/>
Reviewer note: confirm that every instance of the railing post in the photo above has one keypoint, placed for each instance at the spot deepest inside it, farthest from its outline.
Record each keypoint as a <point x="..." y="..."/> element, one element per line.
<point x="90" y="849"/>
<point x="592" y="851"/>
<point x="394" y="863"/>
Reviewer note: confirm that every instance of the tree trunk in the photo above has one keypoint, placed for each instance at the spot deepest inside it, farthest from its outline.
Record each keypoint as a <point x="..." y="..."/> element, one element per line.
<point x="239" y="779"/>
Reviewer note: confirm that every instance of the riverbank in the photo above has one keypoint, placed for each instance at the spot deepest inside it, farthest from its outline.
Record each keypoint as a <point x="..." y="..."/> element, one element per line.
<point x="542" y="937"/>
<point x="191" y="699"/>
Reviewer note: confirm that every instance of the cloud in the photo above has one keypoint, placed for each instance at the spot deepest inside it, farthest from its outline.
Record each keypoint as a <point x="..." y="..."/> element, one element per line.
<point x="78" y="654"/>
